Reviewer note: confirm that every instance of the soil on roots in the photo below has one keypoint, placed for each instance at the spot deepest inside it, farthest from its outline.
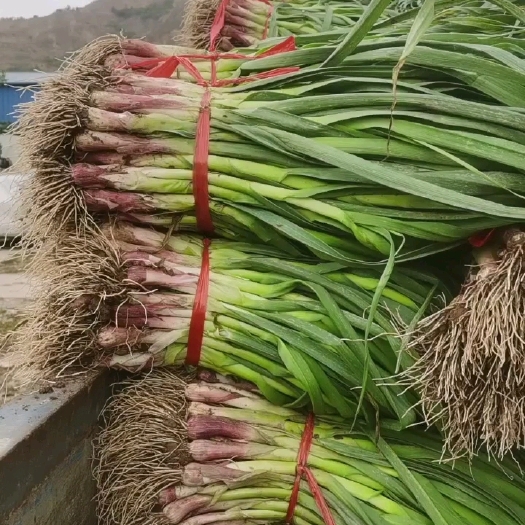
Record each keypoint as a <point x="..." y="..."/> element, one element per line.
<point x="471" y="371"/>
<point x="142" y="448"/>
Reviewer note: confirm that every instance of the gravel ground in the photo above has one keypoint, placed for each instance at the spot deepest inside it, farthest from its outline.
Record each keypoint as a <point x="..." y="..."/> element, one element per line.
<point x="14" y="296"/>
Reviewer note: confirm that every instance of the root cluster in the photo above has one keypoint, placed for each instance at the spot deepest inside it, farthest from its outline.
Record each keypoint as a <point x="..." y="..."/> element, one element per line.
<point x="73" y="281"/>
<point x="471" y="373"/>
<point x="73" y="267"/>
<point x="142" y="448"/>
<point x="49" y="204"/>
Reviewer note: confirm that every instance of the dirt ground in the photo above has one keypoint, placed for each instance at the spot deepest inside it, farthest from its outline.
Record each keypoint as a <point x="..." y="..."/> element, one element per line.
<point x="14" y="296"/>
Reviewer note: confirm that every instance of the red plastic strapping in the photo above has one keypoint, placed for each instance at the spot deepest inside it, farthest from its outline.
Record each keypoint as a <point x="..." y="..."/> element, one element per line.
<point x="202" y="137"/>
<point x="218" y="24"/>
<point x="288" y="44"/>
<point x="303" y="472"/>
<point x="147" y="63"/>
<point x="268" y="18"/>
<point x="478" y="240"/>
<point x="165" y="68"/>
<point x="220" y="18"/>
<point x="200" y="306"/>
<point x="200" y="166"/>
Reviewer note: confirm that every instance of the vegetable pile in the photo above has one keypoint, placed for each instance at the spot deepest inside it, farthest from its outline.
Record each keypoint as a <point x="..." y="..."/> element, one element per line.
<point x="245" y="23"/>
<point x="324" y="170"/>
<point x="236" y="463"/>
<point x="300" y="331"/>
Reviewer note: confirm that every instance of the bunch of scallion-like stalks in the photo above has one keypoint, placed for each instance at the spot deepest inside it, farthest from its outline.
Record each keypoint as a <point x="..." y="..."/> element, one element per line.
<point x="305" y="333"/>
<point x="312" y="155"/>
<point x="291" y="153"/>
<point x="358" y="151"/>
<point x="248" y="22"/>
<point x="234" y="461"/>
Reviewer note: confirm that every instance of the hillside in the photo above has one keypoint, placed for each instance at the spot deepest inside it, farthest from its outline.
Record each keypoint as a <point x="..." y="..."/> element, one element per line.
<point x="41" y="42"/>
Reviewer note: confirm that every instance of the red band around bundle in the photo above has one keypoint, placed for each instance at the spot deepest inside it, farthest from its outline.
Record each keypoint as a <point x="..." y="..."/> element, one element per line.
<point x="200" y="306"/>
<point x="166" y="67"/>
<point x="200" y="167"/>
<point x="218" y="24"/>
<point x="303" y="472"/>
<point x="478" y="240"/>
<point x="220" y="18"/>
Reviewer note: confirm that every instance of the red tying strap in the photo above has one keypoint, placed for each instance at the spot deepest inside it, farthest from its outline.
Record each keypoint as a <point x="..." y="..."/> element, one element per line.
<point x="479" y="239"/>
<point x="202" y="137"/>
<point x="200" y="167"/>
<point x="268" y="18"/>
<point x="302" y="471"/>
<point x="218" y="24"/>
<point x="220" y="18"/>
<point x="285" y="46"/>
<point x="200" y="306"/>
<point x="166" y="67"/>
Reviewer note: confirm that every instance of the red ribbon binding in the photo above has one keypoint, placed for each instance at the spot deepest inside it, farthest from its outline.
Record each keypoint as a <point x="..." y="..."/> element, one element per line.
<point x="165" y="67"/>
<point x="220" y="18"/>
<point x="304" y="472"/>
<point x="478" y="240"/>
<point x="200" y="306"/>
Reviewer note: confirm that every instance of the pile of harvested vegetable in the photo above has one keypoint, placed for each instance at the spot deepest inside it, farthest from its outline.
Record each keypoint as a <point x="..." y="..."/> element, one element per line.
<point x="224" y="455"/>
<point x="301" y="331"/>
<point x="330" y="173"/>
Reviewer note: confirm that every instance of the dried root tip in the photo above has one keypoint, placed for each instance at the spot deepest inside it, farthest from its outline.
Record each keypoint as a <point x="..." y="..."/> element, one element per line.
<point x="78" y="279"/>
<point x="47" y="128"/>
<point x="471" y="373"/>
<point x="141" y="455"/>
<point x="197" y="21"/>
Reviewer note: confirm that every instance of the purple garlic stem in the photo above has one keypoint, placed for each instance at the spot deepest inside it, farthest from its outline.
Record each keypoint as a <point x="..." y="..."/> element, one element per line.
<point x="176" y="492"/>
<point x="96" y="141"/>
<point x="180" y="509"/>
<point x="204" y="450"/>
<point x="115" y="201"/>
<point x="149" y="277"/>
<point x="208" y="427"/>
<point x="112" y="337"/>
<point x="164" y="300"/>
<point x="153" y="321"/>
<point x="218" y="393"/>
<point x="130" y="102"/>
<point x="158" y="310"/>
